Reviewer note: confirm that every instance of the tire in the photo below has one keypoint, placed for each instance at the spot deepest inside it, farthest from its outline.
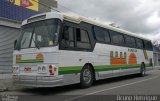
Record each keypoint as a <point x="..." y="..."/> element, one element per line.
<point x="142" y="70"/>
<point x="86" y="77"/>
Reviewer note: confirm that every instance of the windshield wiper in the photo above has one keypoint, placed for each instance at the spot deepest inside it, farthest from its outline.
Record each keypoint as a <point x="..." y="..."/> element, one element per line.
<point x="24" y="41"/>
<point x="19" y="47"/>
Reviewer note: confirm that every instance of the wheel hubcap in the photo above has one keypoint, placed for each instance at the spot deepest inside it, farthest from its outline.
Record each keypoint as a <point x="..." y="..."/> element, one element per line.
<point x="87" y="76"/>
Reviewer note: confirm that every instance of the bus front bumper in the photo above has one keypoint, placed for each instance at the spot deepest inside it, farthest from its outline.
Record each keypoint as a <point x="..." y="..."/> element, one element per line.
<point x="37" y="81"/>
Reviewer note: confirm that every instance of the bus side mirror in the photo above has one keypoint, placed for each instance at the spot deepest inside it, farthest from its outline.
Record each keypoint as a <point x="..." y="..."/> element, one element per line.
<point x="15" y="42"/>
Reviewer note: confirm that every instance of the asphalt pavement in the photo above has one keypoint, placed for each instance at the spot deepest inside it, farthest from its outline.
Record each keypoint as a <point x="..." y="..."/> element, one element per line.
<point x="102" y="90"/>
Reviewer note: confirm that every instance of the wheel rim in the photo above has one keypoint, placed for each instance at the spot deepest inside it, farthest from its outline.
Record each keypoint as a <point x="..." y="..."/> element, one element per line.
<point x="87" y="76"/>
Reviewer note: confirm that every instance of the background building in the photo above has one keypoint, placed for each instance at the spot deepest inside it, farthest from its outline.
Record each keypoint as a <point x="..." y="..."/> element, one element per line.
<point x="156" y="56"/>
<point x="12" y="12"/>
<point x="46" y="4"/>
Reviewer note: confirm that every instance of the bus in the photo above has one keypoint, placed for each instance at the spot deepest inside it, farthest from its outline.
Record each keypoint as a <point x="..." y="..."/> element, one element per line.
<point x="56" y="49"/>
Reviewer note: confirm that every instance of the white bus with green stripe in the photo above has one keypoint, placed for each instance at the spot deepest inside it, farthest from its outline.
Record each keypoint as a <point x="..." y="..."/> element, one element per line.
<point x="56" y="49"/>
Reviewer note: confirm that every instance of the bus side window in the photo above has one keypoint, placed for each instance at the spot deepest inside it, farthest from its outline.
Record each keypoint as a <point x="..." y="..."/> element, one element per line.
<point x="99" y="34"/>
<point x="133" y="42"/>
<point x="130" y="41"/>
<point x="139" y="43"/>
<point x="107" y="36"/>
<point x="102" y="35"/>
<point x="82" y="39"/>
<point x="67" y="37"/>
<point x="117" y="38"/>
<point x="148" y="45"/>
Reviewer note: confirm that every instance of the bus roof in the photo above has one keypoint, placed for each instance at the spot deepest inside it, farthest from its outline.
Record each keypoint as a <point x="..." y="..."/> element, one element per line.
<point x="79" y="19"/>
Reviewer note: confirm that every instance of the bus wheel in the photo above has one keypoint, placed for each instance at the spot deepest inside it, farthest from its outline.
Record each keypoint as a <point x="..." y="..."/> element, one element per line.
<point x="86" y="77"/>
<point x="142" y="70"/>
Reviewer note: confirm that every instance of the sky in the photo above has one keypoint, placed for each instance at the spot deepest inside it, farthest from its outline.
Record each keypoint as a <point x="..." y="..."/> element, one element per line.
<point x="141" y="17"/>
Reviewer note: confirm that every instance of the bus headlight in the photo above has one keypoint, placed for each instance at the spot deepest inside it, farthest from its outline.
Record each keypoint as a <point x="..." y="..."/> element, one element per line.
<point x="42" y="69"/>
<point x="39" y="69"/>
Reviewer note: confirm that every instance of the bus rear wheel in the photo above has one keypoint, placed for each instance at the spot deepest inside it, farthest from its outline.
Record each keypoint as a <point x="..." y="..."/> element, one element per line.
<point x="142" y="70"/>
<point x="86" y="77"/>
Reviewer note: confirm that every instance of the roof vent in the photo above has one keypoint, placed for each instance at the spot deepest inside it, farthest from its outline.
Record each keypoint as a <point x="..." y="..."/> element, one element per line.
<point x="114" y="25"/>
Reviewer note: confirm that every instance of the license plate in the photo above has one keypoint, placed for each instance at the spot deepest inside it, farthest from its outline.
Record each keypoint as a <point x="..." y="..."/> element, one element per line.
<point x="27" y="69"/>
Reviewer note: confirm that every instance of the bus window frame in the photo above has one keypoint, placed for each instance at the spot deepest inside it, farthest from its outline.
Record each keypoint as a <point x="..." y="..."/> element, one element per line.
<point x="117" y="44"/>
<point x="74" y="26"/>
<point x="104" y="29"/>
<point x="142" y="44"/>
<point x="127" y="45"/>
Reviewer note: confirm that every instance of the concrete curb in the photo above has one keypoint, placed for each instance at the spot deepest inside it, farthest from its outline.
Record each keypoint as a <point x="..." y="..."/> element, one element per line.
<point x="7" y="85"/>
<point x="2" y="86"/>
<point x="5" y="81"/>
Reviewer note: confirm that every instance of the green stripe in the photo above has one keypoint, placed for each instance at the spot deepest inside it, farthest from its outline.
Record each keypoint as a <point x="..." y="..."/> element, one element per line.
<point x="70" y="70"/>
<point x="77" y="69"/>
<point x="115" y="67"/>
<point x="30" y="61"/>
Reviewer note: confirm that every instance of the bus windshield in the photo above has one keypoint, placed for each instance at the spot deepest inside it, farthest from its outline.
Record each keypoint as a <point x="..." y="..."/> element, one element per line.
<point x="39" y="34"/>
